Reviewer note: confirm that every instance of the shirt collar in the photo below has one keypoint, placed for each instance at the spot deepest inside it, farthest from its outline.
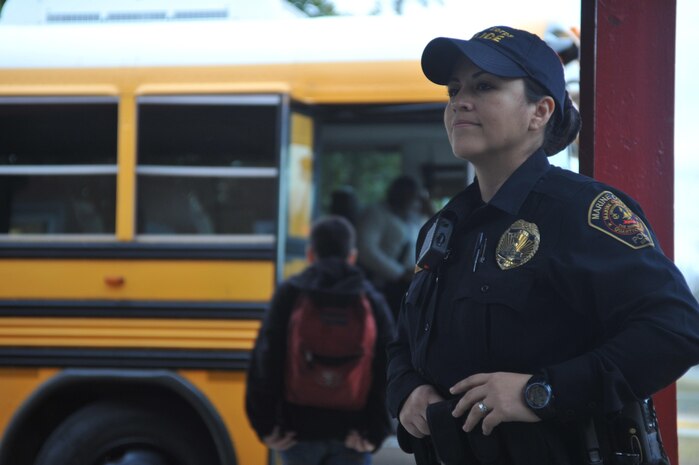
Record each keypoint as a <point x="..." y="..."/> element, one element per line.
<point x="515" y="190"/>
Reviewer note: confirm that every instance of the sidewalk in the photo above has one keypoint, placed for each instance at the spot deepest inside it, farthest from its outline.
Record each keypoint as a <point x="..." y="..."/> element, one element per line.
<point x="390" y="454"/>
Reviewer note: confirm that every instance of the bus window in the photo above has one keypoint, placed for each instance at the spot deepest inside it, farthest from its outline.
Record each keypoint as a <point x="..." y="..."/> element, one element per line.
<point x="369" y="171"/>
<point x="57" y="166"/>
<point x="187" y="204"/>
<point x="367" y="146"/>
<point x="207" y="165"/>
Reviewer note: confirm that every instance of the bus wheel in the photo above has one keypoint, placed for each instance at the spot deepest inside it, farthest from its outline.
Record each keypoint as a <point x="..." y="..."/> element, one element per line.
<point x="112" y="433"/>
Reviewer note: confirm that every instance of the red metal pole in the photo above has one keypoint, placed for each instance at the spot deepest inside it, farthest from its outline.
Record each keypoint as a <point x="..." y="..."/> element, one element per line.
<point x="627" y="105"/>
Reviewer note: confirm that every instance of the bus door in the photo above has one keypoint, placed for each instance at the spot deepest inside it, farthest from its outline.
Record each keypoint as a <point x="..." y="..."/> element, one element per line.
<point x="297" y="193"/>
<point x="364" y="147"/>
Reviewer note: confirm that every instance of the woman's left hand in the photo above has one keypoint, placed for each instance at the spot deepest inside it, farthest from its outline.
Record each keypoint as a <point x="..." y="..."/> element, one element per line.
<point x="502" y="394"/>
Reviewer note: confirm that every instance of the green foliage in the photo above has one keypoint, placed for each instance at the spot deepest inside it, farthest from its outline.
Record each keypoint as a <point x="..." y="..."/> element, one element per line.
<point x="398" y="4"/>
<point x="368" y="172"/>
<point x="326" y="7"/>
<point x="315" y="7"/>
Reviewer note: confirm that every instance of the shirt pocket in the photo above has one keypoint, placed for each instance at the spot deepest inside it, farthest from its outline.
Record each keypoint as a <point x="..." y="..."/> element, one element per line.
<point x="499" y="305"/>
<point x="510" y="289"/>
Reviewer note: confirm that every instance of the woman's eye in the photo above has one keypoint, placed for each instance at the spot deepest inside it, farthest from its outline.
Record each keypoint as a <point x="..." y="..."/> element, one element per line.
<point x="452" y="91"/>
<point x="481" y="86"/>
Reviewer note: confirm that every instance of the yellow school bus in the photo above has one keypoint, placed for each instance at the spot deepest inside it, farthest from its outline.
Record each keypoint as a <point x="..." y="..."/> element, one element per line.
<point x="156" y="181"/>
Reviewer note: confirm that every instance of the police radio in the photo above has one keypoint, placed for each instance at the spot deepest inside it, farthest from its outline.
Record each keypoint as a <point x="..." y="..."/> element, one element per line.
<point x="637" y="435"/>
<point x="436" y="243"/>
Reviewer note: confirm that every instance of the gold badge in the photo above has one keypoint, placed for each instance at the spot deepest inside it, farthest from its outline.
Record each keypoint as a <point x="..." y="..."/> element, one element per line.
<point x="517" y="245"/>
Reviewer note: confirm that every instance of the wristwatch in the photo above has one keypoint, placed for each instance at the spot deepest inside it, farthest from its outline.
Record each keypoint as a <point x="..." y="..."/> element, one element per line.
<point x="538" y="396"/>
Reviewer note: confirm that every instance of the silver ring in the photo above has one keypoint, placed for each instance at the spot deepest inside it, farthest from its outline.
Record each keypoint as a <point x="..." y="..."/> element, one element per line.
<point x="482" y="408"/>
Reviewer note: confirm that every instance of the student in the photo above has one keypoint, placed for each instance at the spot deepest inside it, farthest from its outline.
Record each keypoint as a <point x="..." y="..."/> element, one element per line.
<point x="303" y="434"/>
<point x="553" y="306"/>
<point x="387" y="233"/>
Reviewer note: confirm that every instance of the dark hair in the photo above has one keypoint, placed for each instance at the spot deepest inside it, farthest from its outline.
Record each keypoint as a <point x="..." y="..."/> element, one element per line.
<point x="344" y="202"/>
<point x="402" y="192"/>
<point x="332" y="236"/>
<point x="560" y="132"/>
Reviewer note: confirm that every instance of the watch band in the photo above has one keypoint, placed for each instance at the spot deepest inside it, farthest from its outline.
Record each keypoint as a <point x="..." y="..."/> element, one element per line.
<point x="539" y="397"/>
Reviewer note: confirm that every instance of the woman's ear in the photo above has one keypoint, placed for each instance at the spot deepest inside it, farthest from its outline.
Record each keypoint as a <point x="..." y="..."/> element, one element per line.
<point x="310" y="255"/>
<point x="352" y="257"/>
<point x="542" y="113"/>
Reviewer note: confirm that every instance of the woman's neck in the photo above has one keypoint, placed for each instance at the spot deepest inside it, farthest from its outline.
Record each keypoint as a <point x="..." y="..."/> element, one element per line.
<point x="493" y="171"/>
<point x="489" y="185"/>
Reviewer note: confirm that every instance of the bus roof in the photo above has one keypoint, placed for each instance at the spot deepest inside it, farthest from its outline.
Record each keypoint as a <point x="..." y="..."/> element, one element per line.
<point x="245" y="42"/>
<point x="120" y="11"/>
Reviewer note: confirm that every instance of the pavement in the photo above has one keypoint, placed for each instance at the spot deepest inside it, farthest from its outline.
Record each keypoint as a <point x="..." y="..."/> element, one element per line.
<point x="390" y="454"/>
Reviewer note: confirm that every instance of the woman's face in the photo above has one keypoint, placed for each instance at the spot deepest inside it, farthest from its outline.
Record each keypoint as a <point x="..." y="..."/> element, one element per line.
<point x="487" y="116"/>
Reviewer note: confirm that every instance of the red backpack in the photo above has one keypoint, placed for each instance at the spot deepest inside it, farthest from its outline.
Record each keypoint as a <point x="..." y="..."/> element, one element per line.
<point x="330" y="351"/>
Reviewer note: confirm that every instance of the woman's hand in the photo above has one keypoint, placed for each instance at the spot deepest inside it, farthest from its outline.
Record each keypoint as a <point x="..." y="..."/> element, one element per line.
<point x="276" y="441"/>
<point x="355" y="441"/>
<point x="502" y="394"/>
<point x="413" y="415"/>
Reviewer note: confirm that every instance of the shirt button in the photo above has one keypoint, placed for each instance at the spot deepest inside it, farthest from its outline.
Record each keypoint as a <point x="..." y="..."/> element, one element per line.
<point x="427" y="326"/>
<point x="485" y="288"/>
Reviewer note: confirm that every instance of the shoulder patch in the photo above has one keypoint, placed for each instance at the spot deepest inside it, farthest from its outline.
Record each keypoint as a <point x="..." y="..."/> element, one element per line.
<point x="610" y="215"/>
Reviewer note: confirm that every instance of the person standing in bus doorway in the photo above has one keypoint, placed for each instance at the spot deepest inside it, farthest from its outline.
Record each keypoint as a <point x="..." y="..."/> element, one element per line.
<point x="543" y="314"/>
<point x="311" y="393"/>
<point x="345" y="202"/>
<point x="386" y="238"/>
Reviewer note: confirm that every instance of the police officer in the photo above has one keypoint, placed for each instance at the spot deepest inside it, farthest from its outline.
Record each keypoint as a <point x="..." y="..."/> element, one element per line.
<point x="552" y="301"/>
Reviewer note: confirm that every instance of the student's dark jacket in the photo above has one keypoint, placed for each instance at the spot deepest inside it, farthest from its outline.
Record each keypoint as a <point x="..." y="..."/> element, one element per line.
<point x="265" y="403"/>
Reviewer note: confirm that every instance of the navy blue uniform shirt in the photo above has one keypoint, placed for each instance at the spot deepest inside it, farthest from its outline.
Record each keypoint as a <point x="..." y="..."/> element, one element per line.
<point x="568" y="279"/>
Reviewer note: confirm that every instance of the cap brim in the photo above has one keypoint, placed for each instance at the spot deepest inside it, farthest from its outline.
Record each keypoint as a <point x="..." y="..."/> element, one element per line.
<point x="441" y="53"/>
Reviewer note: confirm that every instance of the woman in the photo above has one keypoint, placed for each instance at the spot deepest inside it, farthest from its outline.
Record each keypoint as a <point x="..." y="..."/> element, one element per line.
<point x="553" y="304"/>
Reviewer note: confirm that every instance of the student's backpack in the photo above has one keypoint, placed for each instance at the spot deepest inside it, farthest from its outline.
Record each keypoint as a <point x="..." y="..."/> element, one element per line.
<point x="330" y="350"/>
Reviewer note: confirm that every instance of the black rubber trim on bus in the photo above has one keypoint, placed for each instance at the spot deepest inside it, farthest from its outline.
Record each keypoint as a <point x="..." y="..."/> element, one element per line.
<point x="133" y="309"/>
<point x="175" y="359"/>
<point x="150" y="251"/>
<point x="67" y="380"/>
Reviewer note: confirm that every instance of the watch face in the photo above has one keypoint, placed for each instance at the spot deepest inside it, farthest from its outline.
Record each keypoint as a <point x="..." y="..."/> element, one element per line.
<point x="538" y="395"/>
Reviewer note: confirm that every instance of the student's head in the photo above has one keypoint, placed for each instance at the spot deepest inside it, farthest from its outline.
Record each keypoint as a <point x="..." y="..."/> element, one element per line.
<point x="332" y="236"/>
<point x="403" y="195"/>
<point x="510" y="57"/>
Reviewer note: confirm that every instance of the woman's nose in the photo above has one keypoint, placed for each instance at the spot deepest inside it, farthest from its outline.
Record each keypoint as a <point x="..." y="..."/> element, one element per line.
<point x="461" y="101"/>
<point x="464" y="105"/>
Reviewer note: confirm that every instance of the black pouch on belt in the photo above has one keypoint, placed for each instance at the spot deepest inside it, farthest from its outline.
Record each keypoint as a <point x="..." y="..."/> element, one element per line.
<point x="422" y="448"/>
<point x="453" y="445"/>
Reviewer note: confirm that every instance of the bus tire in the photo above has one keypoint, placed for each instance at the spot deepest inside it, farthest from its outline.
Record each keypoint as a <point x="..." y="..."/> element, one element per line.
<point x="113" y="433"/>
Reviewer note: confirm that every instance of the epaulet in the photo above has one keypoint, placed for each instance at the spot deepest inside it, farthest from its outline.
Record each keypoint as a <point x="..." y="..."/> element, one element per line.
<point x="562" y="184"/>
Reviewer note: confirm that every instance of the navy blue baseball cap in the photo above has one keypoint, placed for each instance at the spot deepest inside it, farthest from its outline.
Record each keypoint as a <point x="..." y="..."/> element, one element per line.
<point x="502" y="51"/>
